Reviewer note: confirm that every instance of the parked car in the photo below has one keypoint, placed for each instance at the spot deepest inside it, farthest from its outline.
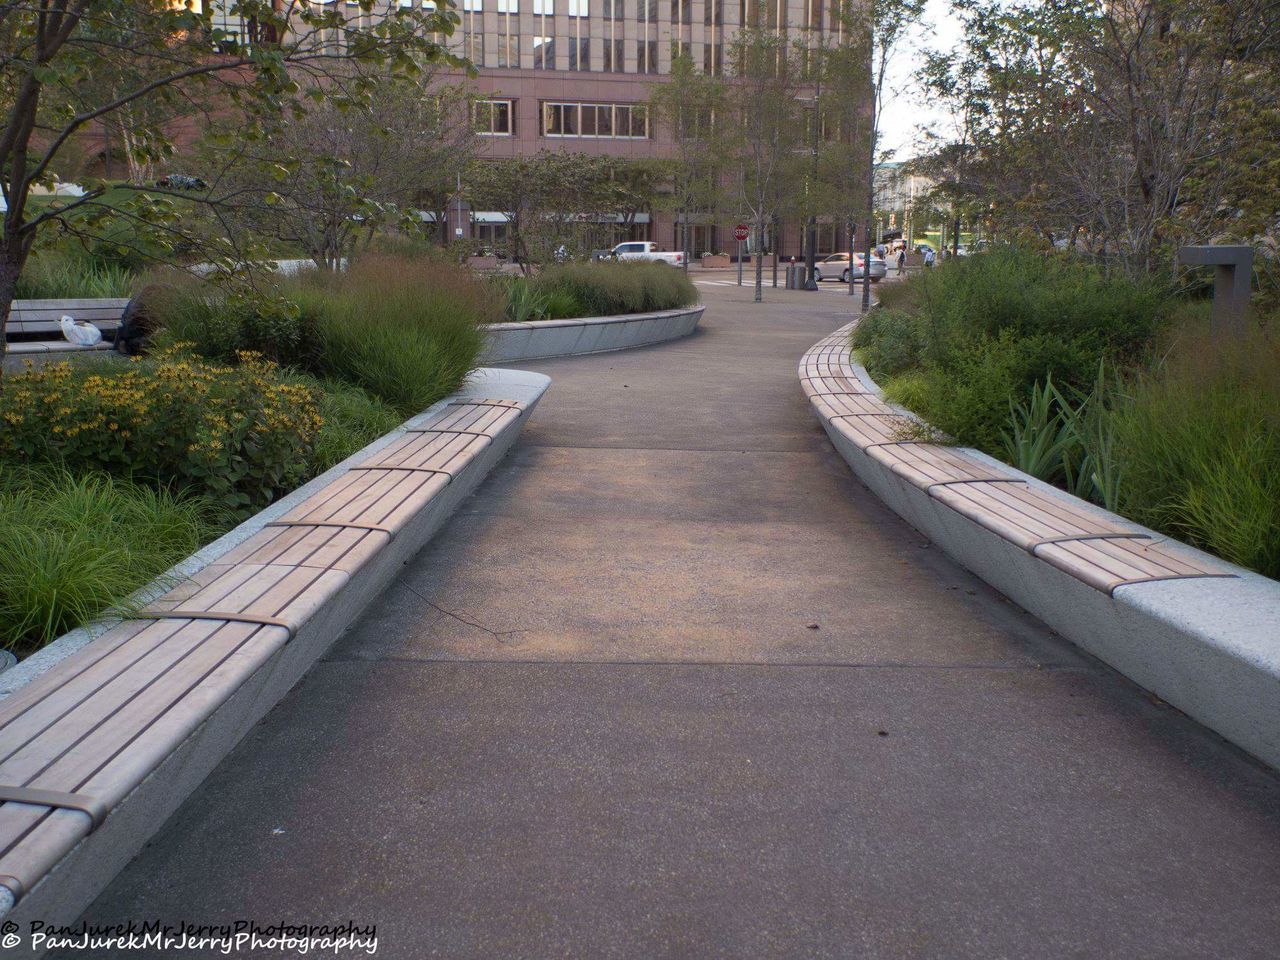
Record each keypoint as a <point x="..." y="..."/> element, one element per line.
<point x="836" y="267"/>
<point x="922" y="247"/>
<point x="181" y="181"/>
<point x="646" y="250"/>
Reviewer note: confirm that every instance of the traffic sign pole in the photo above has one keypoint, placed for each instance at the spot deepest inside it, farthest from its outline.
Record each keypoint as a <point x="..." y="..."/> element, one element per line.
<point x="740" y="233"/>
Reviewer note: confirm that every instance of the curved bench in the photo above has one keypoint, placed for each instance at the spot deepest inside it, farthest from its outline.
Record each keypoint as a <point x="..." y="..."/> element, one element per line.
<point x="96" y="751"/>
<point x="1201" y="633"/>
<point x="511" y="342"/>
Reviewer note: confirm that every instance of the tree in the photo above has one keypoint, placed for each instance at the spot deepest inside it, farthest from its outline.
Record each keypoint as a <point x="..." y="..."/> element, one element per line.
<point x="692" y="106"/>
<point x="543" y="198"/>
<point x="763" y="104"/>
<point x="888" y="23"/>
<point x="839" y="122"/>
<point x="341" y="170"/>
<point x="1126" y="128"/>
<point x="161" y="57"/>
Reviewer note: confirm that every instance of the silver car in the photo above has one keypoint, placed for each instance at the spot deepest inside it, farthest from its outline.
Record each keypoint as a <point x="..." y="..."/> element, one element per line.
<point x="836" y="267"/>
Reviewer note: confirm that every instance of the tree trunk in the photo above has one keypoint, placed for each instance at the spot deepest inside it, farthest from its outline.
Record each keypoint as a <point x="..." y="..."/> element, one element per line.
<point x="11" y="263"/>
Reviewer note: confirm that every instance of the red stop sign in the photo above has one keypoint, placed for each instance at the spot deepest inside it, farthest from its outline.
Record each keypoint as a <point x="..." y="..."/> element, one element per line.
<point x="740" y="232"/>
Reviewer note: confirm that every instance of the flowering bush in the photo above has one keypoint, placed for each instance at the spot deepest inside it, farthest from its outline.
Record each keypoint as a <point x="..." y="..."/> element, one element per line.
<point x="238" y="434"/>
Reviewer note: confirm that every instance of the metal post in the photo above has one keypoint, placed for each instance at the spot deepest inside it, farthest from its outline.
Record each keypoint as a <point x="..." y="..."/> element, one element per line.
<point x="1232" y="282"/>
<point x="773" y="249"/>
<point x="739" y="263"/>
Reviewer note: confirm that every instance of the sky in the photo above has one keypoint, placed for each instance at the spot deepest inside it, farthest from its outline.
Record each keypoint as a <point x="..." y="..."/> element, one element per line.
<point x="905" y="109"/>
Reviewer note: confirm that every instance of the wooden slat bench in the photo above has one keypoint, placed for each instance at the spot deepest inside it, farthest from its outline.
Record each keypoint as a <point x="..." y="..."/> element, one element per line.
<point x="27" y="317"/>
<point x="79" y="738"/>
<point x="1096" y="548"/>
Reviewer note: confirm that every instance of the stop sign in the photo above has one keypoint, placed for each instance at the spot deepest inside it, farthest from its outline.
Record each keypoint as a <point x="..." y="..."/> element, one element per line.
<point x="740" y="232"/>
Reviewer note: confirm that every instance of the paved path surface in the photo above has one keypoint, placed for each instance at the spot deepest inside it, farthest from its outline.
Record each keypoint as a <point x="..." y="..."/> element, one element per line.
<point x="593" y="720"/>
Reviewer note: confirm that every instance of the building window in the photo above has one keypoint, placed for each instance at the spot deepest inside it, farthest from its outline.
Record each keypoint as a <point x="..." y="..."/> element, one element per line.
<point x="544" y="53"/>
<point x="509" y="50"/>
<point x="544" y="8"/>
<point x="613" y="9"/>
<point x="713" y="58"/>
<point x="508" y="6"/>
<point x="579" y="53"/>
<point x="646" y="56"/>
<point x="628" y="121"/>
<point x="612" y="62"/>
<point x="578" y="8"/>
<point x="682" y="11"/>
<point x="494" y="118"/>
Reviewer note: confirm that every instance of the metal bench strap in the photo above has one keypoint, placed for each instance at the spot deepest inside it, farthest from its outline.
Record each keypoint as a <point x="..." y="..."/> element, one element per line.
<point x="947" y="483"/>
<point x="95" y="808"/>
<point x="401" y="469"/>
<point x="256" y="620"/>
<point x="339" y="524"/>
<point x="504" y="404"/>
<point x="1071" y="538"/>
<point x="465" y="433"/>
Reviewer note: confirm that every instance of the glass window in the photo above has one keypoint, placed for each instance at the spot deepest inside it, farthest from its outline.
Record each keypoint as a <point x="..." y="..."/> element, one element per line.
<point x="508" y="6"/>
<point x="613" y="9"/>
<point x="681" y="11"/>
<point x="544" y="7"/>
<point x="544" y="53"/>
<point x="509" y="50"/>
<point x="494" y="118"/>
<point x="646" y="56"/>
<point x="578" y="8"/>
<point x="624" y="120"/>
<point x="579" y="54"/>
<point x="612" y="56"/>
<point x="473" y="6"/>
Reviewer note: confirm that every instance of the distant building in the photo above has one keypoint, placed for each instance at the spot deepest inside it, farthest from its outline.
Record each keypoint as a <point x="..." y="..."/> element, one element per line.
<point x="575" y="75"/>
<point x="901" y="195"/>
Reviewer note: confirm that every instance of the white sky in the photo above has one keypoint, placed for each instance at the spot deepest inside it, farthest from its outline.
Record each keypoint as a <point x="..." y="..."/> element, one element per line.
<point x="905" y="108"/>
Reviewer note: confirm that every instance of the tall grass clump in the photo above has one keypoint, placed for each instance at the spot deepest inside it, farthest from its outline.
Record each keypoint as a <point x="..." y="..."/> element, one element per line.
<point x="971" y="336"/>
<point x="606" y="289"/>
<point x="406" y="331"/>
<point x="1197" y="440"/>
<point x="73" y="548"/>
<point x="55" y="275"/>
<point x="351" y="419"/>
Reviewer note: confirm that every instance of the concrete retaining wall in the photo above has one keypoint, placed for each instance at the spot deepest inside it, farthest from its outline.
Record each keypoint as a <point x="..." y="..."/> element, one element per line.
<point x="512" y="342"/>
<point x="1208" y="646"/>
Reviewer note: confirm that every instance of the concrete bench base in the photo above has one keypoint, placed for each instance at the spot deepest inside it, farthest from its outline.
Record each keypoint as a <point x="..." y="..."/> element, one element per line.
<point x="68" y="888"/>
<point x="513" y="342"/>
<point x="1208" y="644"/>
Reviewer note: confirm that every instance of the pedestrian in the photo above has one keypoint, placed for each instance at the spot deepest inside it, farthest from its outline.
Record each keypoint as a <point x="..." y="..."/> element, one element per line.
<point x="902" y="260"/>
<point x="929" y="257"/>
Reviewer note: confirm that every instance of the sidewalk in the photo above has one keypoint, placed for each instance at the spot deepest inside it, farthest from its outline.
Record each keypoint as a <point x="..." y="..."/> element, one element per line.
<point x="673" y="684"/>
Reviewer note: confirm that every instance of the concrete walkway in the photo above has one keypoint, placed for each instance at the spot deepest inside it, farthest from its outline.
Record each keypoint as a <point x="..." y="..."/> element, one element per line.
<point x="673" y="684"/>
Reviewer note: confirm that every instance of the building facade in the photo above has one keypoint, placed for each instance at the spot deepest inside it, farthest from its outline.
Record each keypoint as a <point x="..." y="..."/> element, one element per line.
<point x="576" y="76"/>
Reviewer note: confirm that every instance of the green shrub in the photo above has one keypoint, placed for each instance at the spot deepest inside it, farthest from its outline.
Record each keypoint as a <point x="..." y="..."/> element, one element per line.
<point x="237" y="434"/>
<point x="407" y="334"/>
<point x="351" y="419"/>
<point x="978" y="333"/>
<point x="1197" y="440"/>
<point x="51" y="275"/>
<point x="606" y="289"/>
<point x="73" y="548"/>
<point x="220" y="327"/>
